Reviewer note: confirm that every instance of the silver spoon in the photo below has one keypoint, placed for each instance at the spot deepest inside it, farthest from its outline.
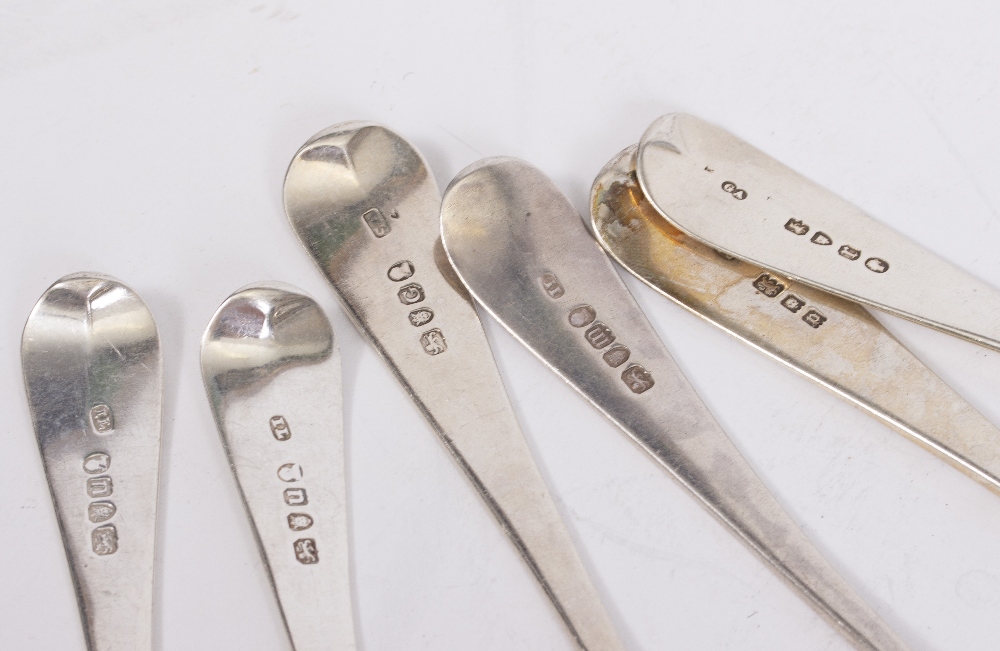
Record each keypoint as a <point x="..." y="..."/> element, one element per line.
<point x="365" y="206"/>
<point x="521" y="249"/>
<point x="828" y="339"/>
<point x="272" y="374"/>
<point x="738" y="200"/>
<point x="90" y="354"/>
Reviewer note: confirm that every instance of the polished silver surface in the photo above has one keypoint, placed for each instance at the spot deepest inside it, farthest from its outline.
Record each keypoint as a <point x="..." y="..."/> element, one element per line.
<point x="525" y="255"/>
<point x="737" y="199"/>
<point x="272" y="374"/>
<point x="365" y="206"/>
<point x="828" y="339"/>
<point x="90" y="354"/>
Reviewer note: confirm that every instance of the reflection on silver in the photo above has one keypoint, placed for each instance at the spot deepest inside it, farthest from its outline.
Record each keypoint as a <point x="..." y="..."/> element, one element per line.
<point x="848" y="351"/>
<point x="365" y="206"/>
<point x="272" y="374"/>
<point x="520" y="247"/>
<point x="90" y="354"/>
<point x="737" y="199"/>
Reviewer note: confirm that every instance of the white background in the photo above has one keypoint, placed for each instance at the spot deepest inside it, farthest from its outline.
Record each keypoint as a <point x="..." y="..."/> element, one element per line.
<point x="148" y="140"/>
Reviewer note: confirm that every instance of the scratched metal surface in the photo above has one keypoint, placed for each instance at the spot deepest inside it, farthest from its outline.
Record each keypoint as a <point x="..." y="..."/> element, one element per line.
<point x="149" y="139"/>
<point x="94" y="382"/>
<point x="272" y="375"/>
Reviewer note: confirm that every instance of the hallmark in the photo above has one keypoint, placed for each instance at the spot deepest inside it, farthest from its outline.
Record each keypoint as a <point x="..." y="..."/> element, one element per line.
<point x="792" y="303"/>
<point x="617" y="355"/>
<point x="101" y="419"/>
<point x="280" y="428"/>
<point x="96" y="463"/>
<point x="637" y="378"/>
<point x="421" y="316"/>
<point x="400" y="271"/>
<point x="296" y="497"/>
<point x="104" y="540"/>
<point x="813" y="318"/>
<point x="290" y="473"/>
<point x="797" y="227"/>
<point x="100" y="487"/>
<point x="410" y="294"/>
<point x="551" y="285"/>
<point x="849" y="252"/>
<point x="299" y="521"/>
<point x="101" y="511"/>
<point x="582" y="316"/>
<point x="377" y="222"/>
<point x="878" y="265"/>
<point x="599" y="335"/>
<point x="433" y="342"/>
<point x="768" y="285"/>
<point x="305" y="551"/>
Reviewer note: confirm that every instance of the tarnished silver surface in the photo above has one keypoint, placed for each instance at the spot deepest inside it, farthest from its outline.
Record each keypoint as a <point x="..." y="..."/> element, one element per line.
<point x="90" y="354"/>
<point x="272" y="374"/>
<point x="524" y="253"/>
<point x="828" y="339"/>
<point x="365" y="206"/>
<point x="737" y="199"/>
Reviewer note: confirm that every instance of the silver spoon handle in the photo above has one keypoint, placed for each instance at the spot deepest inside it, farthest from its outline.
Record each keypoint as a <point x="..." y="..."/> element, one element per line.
<point x="272" y="375"/>
<point x="365" y="206"/>
<point x="737" y="199"/>
<point x="520" y="247"/>
<point x="830" y="340"/>
<point x="92" y="370"/>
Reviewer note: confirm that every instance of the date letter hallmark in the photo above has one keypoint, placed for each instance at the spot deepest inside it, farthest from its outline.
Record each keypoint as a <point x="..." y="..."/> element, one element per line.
<point x="401" y="271"/>
<point x="296" y="497"/>
<point x="410" y="294"/>
<point x="100" y="487"/>
<point x="599" y="335"/>
<point x="101" y="419"/>
<point x="104" y="540"/>
<point x="797" y="227"/>
<point x="280" y="428"/>
<point x="551" y="285"/>
<point x="305" y="551"/>
<point x="731" y="188"/>
<point x="768" y="285"/>
<point x="433" y="342"/>
<point x="849" y="252"/>
<point x="813" y="318"/>
<point x="377" y="222"/>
